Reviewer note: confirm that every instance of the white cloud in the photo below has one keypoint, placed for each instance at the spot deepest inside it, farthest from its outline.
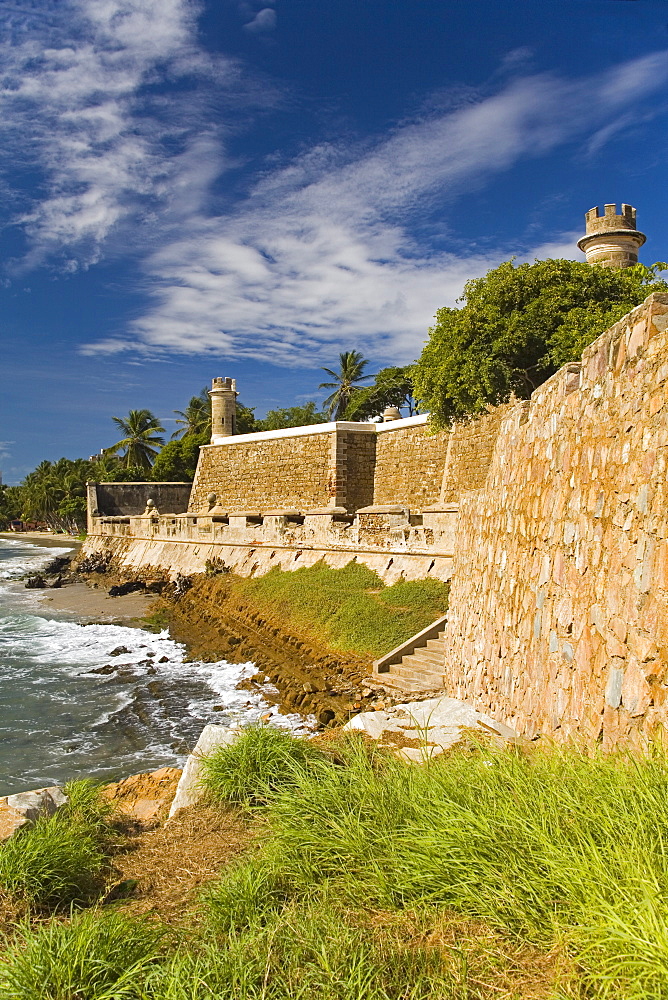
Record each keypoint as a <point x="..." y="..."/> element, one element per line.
<point x="78" y="100"/>
<point x="264" y="20"/>
<point x="319" y="258"/>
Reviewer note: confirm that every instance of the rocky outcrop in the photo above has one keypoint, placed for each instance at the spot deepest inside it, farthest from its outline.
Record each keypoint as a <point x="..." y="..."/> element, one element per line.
<point x="189" y="790"/>
<point x="419" y="730"/>
<point x="144" y="797"/>
<point x="22" y="809"/>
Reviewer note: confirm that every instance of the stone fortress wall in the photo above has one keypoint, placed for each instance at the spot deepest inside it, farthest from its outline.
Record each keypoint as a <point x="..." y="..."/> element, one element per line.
<point x="558" y="619"/>
<point x="288" y="498"/>
<point x="550" y="515"/>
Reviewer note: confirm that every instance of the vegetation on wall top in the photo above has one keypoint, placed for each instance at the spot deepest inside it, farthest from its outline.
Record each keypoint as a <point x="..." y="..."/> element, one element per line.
<point x="517" y="327"/>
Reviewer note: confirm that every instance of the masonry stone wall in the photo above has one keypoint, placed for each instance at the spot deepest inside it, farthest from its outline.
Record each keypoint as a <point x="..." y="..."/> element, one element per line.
<point x="360" y="461"/>
<point x="558" y="618"/>
<point x="265" y="473"/>
<point x="409" y="466"/>
<point x="117" y="499"/>
<point x="470" y="452"/>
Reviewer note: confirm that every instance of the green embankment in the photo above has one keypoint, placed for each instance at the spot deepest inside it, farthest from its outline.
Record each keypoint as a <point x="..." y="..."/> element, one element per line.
<point x="534" y="874"/>
<point x="350" y="608"/>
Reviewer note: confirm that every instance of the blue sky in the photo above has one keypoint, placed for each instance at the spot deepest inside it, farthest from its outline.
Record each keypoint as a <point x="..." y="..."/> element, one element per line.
<point x="248" y="187"/>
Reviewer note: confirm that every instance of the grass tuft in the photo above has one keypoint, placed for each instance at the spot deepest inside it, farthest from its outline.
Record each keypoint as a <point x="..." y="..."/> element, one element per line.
<point x="59" y="859"/>
<point x="260" y="762"/>
<point x="94" y="956"/>
<point x="550" y="846"/>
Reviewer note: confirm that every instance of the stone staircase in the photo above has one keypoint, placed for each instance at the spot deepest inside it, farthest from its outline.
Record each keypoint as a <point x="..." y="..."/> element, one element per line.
<point x="418" y="664"/>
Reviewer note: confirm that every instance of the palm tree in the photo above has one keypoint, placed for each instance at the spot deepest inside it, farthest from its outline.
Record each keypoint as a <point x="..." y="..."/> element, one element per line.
<point x="196" y="418"/>
<point x="346" y="380"/>
<point x="140" y="429"/>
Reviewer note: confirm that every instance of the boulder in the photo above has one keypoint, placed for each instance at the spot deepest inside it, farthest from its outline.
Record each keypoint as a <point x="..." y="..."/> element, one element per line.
<point x="23" y="808"/>
<point x="420" y="730"/>
<point x="189" y="791"/>
<point x="144" y="797"/>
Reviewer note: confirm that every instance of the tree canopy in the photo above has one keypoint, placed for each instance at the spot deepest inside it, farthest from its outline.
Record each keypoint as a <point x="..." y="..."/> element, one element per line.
<point x="292" y="416"/>
<point x="517" y="326"/>
<point x="349" y="376"/>
<point x="391" y="387"/>
<point x="142" y="441"/>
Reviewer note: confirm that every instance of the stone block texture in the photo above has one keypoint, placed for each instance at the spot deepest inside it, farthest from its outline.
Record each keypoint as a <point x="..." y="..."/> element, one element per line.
<point x="558" y="619"/>
<point x="264" y="474"/>
<point x="409" y="466"/>
<point x="470" y="454"/>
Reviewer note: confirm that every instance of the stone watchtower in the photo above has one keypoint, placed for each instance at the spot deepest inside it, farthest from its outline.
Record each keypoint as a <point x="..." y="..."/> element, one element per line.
<point x="611" y="240"/>
<point x="223" y="395"/>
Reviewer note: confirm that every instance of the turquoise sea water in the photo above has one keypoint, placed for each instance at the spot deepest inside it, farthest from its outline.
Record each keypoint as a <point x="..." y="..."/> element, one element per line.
<point x="60" y="720"/>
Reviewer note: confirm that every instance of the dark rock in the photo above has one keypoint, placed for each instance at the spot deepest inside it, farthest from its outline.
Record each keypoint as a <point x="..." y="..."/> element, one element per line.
<point x="108" y="668"/>
<point x="325" y="716"/>
<point x="163" y="659"/>
<point x="131" y="587"/>
<point x="119" y="651"/>
<point x="36" y="583"/>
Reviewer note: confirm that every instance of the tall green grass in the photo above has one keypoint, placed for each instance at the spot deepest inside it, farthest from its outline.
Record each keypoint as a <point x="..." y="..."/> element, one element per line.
<point x="253" y="768"/>
<point x="60" y="858"/>
<point x="551" y="846"/>
<point x="95" y="956"/>
<point x="350" y="608"/>
<point x="313" y="953"/>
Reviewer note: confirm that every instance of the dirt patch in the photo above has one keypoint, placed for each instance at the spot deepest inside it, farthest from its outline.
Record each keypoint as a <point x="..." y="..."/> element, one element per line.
<point x="170" y="864"/>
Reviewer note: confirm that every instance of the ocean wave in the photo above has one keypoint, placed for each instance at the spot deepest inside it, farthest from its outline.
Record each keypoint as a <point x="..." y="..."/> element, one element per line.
<point x="19" y="558"/>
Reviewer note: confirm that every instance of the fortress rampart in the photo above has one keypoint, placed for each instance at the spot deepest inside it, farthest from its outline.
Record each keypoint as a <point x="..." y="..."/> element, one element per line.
<point x="378" y="493"/>
<point x="550" y="515"/>
<point x="558" y="619"/>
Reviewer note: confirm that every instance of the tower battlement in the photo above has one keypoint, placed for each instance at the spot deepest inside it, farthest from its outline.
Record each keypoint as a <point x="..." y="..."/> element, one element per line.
<point x="611" y="239"/>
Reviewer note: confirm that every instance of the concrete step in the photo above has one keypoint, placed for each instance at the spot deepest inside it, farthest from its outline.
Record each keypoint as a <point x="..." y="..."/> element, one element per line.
<point x="425" y="656"/>
<point x="435" y="644"/>
<point x="415" y="674"/>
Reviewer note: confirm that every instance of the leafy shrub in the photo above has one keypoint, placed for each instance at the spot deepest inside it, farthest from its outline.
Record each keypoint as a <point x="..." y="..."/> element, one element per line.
<point x="95" y="956"/>
<point x="258" y="763"/>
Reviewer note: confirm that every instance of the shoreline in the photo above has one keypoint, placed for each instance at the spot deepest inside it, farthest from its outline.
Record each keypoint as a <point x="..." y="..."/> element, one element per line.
<point x="91" y="605"/>
<point x="43" y="538"/>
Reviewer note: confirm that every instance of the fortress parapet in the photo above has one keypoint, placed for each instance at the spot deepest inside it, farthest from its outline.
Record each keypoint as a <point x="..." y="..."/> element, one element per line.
<point x="611" y="239"/>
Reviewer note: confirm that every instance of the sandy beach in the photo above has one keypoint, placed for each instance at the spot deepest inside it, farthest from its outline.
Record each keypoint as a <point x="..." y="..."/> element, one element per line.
<point x="42" y="538"/>
<point x="84" y="602"/>
<point x="92" y="605"/>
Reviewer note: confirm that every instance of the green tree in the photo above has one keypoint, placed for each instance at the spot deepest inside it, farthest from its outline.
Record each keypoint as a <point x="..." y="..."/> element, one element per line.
<point x="141" y="441"/>
<point x="196" y="418"/>
<point x="292" y="416"/>
<point x="177" y="461"/>
<point x="391" y="387"/>
<point x="517" y="327"/>
<point x="10" y="504"/>
<point x="246" y="422"/>
<point x="349" y="377"/>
